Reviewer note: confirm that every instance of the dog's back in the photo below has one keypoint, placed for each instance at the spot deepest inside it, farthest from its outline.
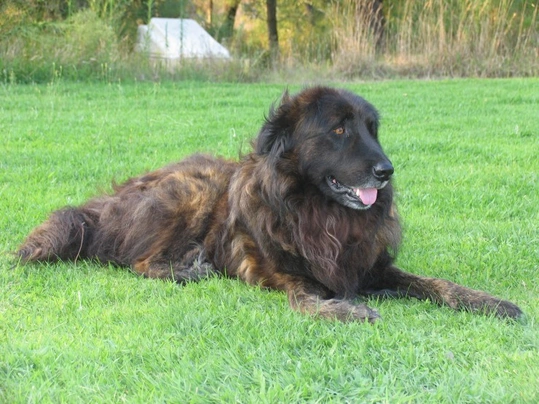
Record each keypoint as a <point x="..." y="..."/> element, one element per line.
<point x="168" y="207"/>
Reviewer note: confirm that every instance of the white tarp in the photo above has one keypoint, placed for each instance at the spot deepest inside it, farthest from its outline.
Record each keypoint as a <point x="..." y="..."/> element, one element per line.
<point x="174" y="38"/>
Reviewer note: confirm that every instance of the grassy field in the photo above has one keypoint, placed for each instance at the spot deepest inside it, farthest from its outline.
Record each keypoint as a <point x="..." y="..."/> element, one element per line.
<point x="465" y="154"/>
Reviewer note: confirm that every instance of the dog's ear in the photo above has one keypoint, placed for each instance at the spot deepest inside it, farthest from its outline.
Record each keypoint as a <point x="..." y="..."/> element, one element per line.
<point x="275" y="137"/>
<point x="372" y="126"/>
<point x="373" y="122"/>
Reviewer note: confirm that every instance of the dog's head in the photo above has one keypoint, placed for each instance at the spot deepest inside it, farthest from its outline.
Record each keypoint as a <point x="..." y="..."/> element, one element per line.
<point x="332" y="135"/>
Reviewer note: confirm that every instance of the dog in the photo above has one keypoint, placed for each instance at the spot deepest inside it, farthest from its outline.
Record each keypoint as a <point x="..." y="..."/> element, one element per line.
<point x="309" y="211"/>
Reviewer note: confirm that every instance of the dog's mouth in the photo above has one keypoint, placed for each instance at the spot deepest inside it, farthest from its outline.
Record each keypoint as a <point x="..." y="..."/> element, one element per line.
<point x="358" y="198"/>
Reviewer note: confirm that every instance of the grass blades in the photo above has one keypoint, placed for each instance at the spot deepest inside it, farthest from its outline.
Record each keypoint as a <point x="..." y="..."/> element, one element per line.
<point x="465" y="153"/>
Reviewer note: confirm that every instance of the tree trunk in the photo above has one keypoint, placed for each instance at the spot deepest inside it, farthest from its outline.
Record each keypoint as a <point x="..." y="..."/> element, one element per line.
<point x="231" y="10"/>
<point x="209" y="15"/>
<point x="271" y="6"/>
<point x="377" y="22"/>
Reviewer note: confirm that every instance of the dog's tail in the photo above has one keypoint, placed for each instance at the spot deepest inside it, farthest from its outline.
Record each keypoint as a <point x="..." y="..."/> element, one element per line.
<point x="66" y="235"/>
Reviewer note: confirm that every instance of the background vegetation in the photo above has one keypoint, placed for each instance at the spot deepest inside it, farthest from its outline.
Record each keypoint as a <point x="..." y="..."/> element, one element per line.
<point x="465" y="153"/>
<point x="94" y="39"/>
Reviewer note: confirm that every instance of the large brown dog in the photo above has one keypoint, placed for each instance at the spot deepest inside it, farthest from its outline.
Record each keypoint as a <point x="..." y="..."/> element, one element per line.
<point x="310" y="211"/>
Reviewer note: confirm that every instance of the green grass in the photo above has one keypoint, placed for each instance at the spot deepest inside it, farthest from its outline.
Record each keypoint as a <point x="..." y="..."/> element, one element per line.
<point x="465" y="153"/>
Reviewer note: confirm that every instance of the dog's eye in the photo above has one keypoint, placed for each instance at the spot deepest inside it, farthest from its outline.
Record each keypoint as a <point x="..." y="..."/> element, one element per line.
<point x="339" y="130"/>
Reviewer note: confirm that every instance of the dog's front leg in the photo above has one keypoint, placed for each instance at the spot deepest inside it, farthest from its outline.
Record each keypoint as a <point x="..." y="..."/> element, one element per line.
<point x="304" y="294"/>
<point x="391" y="281"/>
<point x="310" y="297"/>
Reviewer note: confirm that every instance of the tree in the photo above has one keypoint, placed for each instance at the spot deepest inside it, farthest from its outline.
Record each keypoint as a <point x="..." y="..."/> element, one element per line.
<point x="273" y="36"/>
<point x="231" y="10"/>
<point x="377" y="21"/>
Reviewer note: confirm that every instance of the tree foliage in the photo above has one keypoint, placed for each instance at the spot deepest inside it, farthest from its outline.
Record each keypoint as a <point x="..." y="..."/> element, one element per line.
<point x="457" y="37"/>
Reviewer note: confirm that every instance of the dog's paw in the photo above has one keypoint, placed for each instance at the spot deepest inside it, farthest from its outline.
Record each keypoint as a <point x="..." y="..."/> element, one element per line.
<point x="505" y="309"/>
<point x="492" y="305"/>
<point x="347" y="311"/>
<point x="362" y="312"/>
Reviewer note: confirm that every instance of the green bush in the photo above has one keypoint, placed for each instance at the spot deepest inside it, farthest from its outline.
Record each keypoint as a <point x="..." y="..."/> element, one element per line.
<point x="82" y="47"/>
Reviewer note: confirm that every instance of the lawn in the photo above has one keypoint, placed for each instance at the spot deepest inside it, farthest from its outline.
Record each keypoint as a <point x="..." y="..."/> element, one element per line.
<point x="467" y="166"/>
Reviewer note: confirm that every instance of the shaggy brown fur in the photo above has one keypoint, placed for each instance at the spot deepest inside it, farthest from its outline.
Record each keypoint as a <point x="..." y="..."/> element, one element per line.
<point x="310" y="211"/>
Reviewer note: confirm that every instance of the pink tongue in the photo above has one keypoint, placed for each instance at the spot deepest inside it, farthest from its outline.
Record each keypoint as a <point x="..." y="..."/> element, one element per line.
<point x="367" y="196"/>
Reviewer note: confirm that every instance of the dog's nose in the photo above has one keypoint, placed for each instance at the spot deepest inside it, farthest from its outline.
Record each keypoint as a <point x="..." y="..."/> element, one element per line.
<point x="383" y="171"/>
